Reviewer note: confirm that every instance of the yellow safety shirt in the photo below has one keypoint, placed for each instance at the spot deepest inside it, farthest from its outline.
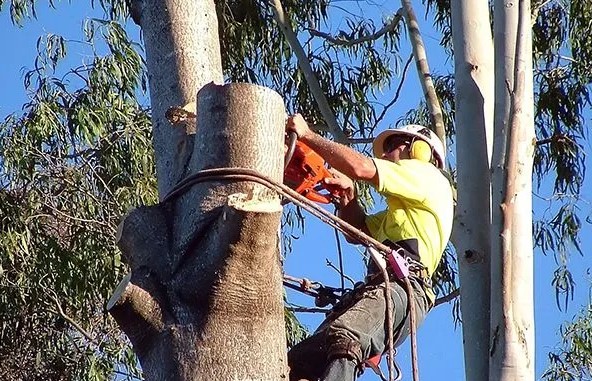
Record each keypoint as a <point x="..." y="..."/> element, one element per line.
<point x="420" y="206"/>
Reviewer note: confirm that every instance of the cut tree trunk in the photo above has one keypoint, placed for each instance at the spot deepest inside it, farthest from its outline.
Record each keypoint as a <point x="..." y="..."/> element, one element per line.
<point x="204" y="297"/>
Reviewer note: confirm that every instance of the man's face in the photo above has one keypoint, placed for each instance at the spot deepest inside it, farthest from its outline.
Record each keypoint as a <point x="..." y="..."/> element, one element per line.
<point x="396" y="147"/>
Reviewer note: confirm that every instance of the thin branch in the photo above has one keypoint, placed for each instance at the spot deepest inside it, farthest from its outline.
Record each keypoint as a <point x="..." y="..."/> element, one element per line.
<point x="308" y="309"/>
<point x="60" y="312"/>
<point x="557" y="138"/>
<point x="331" y="265"/>
<point x="311" y="79"/>
<point x="342" y="41"/>
<point x="79" y="219"/>
<point x="361" y="140"/>
<point x="423" y="70"/>
<point x="446" y="298"/>
<point x="398" y="92"/>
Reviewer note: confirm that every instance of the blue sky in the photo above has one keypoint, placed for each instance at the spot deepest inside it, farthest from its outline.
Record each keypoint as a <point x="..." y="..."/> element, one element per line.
<point x="440" y="342"/>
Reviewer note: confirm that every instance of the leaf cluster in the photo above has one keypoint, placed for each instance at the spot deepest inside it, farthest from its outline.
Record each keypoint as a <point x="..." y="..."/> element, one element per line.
<point x="73" y="162"/>
<point x="573" y="360"/>
<point x="563" y="74"/>
<point x="351" y="75"/>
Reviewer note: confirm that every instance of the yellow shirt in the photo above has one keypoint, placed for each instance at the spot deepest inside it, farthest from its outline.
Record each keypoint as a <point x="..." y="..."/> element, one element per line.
<point x="420" y="206"/>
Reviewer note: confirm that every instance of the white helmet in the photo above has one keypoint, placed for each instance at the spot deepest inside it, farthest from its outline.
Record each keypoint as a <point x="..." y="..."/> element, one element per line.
<point x="417" y="132"/>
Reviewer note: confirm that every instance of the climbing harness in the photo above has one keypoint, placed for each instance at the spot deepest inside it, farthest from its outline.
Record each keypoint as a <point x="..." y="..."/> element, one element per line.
<point x="398" y="264"/>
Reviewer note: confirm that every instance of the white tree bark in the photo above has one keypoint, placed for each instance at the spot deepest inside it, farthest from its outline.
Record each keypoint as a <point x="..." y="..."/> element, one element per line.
<point x="474" y="80"/>
<point x="182" y="55"/>
<point x="512" y="316"/>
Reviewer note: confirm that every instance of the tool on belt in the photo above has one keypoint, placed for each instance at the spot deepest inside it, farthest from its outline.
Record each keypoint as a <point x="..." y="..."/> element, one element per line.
<point x="305" y="171"/>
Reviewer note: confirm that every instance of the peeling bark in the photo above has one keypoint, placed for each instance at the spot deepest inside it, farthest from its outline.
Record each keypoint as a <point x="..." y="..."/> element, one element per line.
<point x="512" y="315"/>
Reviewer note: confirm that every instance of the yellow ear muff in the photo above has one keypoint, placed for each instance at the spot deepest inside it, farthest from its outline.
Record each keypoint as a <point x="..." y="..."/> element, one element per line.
<point x="421" y="150"/>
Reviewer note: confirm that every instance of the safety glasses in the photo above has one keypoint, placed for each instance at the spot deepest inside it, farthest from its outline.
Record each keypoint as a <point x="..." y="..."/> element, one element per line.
<point x="394" y="142"/>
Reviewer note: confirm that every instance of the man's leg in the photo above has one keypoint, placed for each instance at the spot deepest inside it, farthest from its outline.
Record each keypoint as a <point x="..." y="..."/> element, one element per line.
<point x="359" y="332"/>
<point x="308" y="359"/>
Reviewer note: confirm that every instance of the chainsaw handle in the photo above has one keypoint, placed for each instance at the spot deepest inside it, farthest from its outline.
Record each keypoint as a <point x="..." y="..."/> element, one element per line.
<point x="292" y="138"/>
<point x="315" y="196"/>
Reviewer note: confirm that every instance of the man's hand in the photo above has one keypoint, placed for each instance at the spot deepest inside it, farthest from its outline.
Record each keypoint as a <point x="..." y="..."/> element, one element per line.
<point x="297" y="124"/>
<point x="341" y="185"/>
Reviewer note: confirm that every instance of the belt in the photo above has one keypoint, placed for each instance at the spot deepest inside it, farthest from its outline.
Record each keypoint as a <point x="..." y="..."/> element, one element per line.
<point x="419" y="273"/>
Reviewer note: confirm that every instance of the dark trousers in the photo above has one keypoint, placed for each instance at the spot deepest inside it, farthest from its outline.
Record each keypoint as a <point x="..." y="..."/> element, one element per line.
<point x="354" y="332"/>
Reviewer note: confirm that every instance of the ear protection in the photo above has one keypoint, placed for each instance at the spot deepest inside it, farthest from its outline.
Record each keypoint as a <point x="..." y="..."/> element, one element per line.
<point x="420" y="150"/>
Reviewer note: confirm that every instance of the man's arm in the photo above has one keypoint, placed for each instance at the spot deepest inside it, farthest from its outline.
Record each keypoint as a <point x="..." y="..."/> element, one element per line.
<point x="346" y="160"/>
<point x="354" y="215"/>
<point x="349" y="208"/>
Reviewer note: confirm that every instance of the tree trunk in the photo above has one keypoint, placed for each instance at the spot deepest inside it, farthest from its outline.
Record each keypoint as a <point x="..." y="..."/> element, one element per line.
<point x="182" y="55"/>
<point x="512" y="316"/>
<point x="204" y="299"/>
<point x="474" y="80"/>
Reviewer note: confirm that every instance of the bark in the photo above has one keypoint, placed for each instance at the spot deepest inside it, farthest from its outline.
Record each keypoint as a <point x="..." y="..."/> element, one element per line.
<point x="474" y="98"/>
<point x="182" y="55"/>
<point x="512" y="316"/>
<point x="204" y="297"/>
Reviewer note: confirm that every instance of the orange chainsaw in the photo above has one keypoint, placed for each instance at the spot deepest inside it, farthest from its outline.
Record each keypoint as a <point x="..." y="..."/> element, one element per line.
<point x="305" y="171"/>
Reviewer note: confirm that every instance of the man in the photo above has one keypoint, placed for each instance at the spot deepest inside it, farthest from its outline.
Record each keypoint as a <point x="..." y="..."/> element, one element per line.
<point x="417" y="223"/>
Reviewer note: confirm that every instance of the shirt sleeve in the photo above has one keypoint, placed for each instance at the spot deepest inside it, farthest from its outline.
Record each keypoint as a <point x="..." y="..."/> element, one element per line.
<point x="403" y="179"/>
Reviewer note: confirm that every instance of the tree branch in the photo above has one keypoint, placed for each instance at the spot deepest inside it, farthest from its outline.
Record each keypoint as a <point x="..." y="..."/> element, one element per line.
<point x="557" y="138"/>
<point x="423" y="70"/>
<point x="311" y="79"/>
<point x="309" y="309"/>
<point x="398" y="91"/>
<point x="341" y="41"/>
<point x="60" y="312"/>
<point x="137" y="312"/>
<point x="446" y="298"/>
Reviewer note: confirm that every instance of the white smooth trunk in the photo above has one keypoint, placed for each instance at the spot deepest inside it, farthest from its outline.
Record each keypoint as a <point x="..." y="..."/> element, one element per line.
<point x="512" y="316"/>
<point x="182" y="55"/>
<point x="474" y="80"/>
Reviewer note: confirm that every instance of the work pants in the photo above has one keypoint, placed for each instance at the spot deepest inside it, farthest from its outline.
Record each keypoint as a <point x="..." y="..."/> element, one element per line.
<point x="354" y="332"/>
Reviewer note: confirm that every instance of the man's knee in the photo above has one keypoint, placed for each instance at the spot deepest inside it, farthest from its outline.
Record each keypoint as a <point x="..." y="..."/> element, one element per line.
<point x="307" y="359"/>
<point x="344" y="347"/>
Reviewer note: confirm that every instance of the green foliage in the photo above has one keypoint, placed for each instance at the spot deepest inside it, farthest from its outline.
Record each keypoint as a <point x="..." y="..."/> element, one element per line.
<point x="562" y="78"/>
<point x="573" y="360"/>
<point x="351" y="76"/>
<point x="77" y="158"/>
<point x="294" y="330"/>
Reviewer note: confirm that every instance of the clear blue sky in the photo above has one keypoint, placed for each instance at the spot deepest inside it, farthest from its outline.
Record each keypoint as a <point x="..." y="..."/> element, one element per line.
<point x="440" y="342"/>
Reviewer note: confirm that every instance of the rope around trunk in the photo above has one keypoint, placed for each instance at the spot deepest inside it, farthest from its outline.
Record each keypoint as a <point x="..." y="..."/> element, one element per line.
<point x="245" y="174"/>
